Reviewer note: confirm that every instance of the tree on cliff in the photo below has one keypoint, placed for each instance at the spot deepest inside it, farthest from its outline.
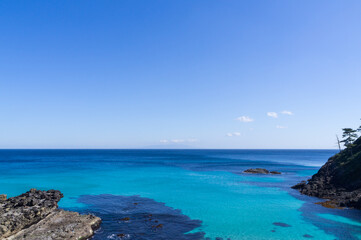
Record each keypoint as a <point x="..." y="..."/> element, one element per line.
<point x="349" y="136"/>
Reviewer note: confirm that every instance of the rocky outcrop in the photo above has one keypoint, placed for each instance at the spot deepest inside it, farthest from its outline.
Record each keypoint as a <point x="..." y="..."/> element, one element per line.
<point x="60" y="224"/>
<point x="260" y="171"/>
<point x="34" y="215"/>
<point x="339" y="180"/>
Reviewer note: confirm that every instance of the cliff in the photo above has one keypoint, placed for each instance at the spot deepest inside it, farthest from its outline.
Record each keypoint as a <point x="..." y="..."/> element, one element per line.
<point x="339" y="180"/>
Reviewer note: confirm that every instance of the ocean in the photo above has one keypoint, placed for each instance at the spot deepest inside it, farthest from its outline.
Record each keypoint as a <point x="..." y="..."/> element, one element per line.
<point x="184" y="194"/>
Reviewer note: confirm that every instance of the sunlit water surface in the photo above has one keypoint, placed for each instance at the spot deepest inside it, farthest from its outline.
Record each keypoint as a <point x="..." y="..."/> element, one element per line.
<point x="183" y="194"/>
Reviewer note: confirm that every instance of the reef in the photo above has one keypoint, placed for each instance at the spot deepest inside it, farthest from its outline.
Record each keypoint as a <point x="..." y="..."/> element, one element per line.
<point x="139" y="218"/>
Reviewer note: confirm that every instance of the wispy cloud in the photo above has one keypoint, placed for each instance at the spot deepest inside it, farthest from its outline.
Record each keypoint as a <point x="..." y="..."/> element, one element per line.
<point x="190" y="140"/>
<point x="245" y="119"/>
<point x="285" y="112"/>
<point x="234" y="134"/>
<point x="272" y="114"/>
<point x="281" y="127"/>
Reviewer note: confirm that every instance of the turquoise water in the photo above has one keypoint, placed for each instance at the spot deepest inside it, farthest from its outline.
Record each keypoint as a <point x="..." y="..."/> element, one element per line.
<point x="206" y="185"/>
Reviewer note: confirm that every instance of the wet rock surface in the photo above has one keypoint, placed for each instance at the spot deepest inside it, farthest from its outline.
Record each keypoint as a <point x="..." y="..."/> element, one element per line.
<point x="34" y="215"/>
<point x="260" y="171"/>
<point x="338" y="180"/>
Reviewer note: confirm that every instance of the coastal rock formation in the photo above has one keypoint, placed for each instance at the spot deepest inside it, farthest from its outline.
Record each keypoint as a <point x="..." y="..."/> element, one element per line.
<point x="260" y="171"/>
<point x="339" y="180"/>
<point x="34" y="215"/>
<point x="60" y="224"/>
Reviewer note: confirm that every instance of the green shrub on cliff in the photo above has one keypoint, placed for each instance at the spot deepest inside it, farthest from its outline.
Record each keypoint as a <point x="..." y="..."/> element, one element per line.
<point x="346" y="170"/>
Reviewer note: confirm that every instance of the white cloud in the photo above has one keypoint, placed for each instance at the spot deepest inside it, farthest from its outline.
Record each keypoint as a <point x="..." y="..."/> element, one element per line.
<point x="287" y="112"/>
<point x="234" y="134"/>
<point x="245" y="119"/>
<point x="272" y="114"/>
<point x="177" y="140"/>
<point x="163" y="141"/>
<point x="281" y="127"/>
<point x="192" y="140"/>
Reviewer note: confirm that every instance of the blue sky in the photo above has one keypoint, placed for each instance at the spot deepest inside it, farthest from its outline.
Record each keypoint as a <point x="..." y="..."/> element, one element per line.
<point x="203" y="74"/>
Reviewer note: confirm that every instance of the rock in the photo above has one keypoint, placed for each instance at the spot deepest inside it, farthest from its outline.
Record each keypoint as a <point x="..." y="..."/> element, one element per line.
<point x="3" y="197"/>
<point x="17" y="213"/>
<point x="60" y="224"/>
<point x="299" y="185"/>
<point x="338" y="180"/>
<point x="260" y="171"/>
<point x="34" y="214"/>
<point x="329" y="204"/>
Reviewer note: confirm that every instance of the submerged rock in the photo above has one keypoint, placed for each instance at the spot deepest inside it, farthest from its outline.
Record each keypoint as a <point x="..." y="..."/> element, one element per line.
<point x="34" y="215"/>
<point x="339" y="180"/>
<point x="281" y="224"/>
<point x="260" y="171"/>
<point x="148" y="220"/>
<point x="307" y="236"/>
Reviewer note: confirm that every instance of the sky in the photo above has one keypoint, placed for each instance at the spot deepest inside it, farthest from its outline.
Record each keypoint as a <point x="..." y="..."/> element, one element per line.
<point x="179" y="74"/>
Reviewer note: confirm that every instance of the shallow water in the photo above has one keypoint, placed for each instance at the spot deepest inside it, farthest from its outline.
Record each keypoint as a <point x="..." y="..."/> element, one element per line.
<point x="199" y="192"/>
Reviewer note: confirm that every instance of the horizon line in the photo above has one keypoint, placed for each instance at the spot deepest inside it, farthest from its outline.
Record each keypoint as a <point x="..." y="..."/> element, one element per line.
<point x="169" y="149"/>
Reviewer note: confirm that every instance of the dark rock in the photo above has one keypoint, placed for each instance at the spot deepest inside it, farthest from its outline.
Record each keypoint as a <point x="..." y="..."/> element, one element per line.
<point x="260" y="171"/>
<point x="257" y="171"/>
<point x="34" y="215"/>
<point x="339" y="180"/>
<point x="299" y="185"/>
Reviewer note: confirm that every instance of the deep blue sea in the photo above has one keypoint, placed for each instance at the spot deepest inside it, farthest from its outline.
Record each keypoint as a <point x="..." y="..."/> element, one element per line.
<point x="183" y="194"/>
